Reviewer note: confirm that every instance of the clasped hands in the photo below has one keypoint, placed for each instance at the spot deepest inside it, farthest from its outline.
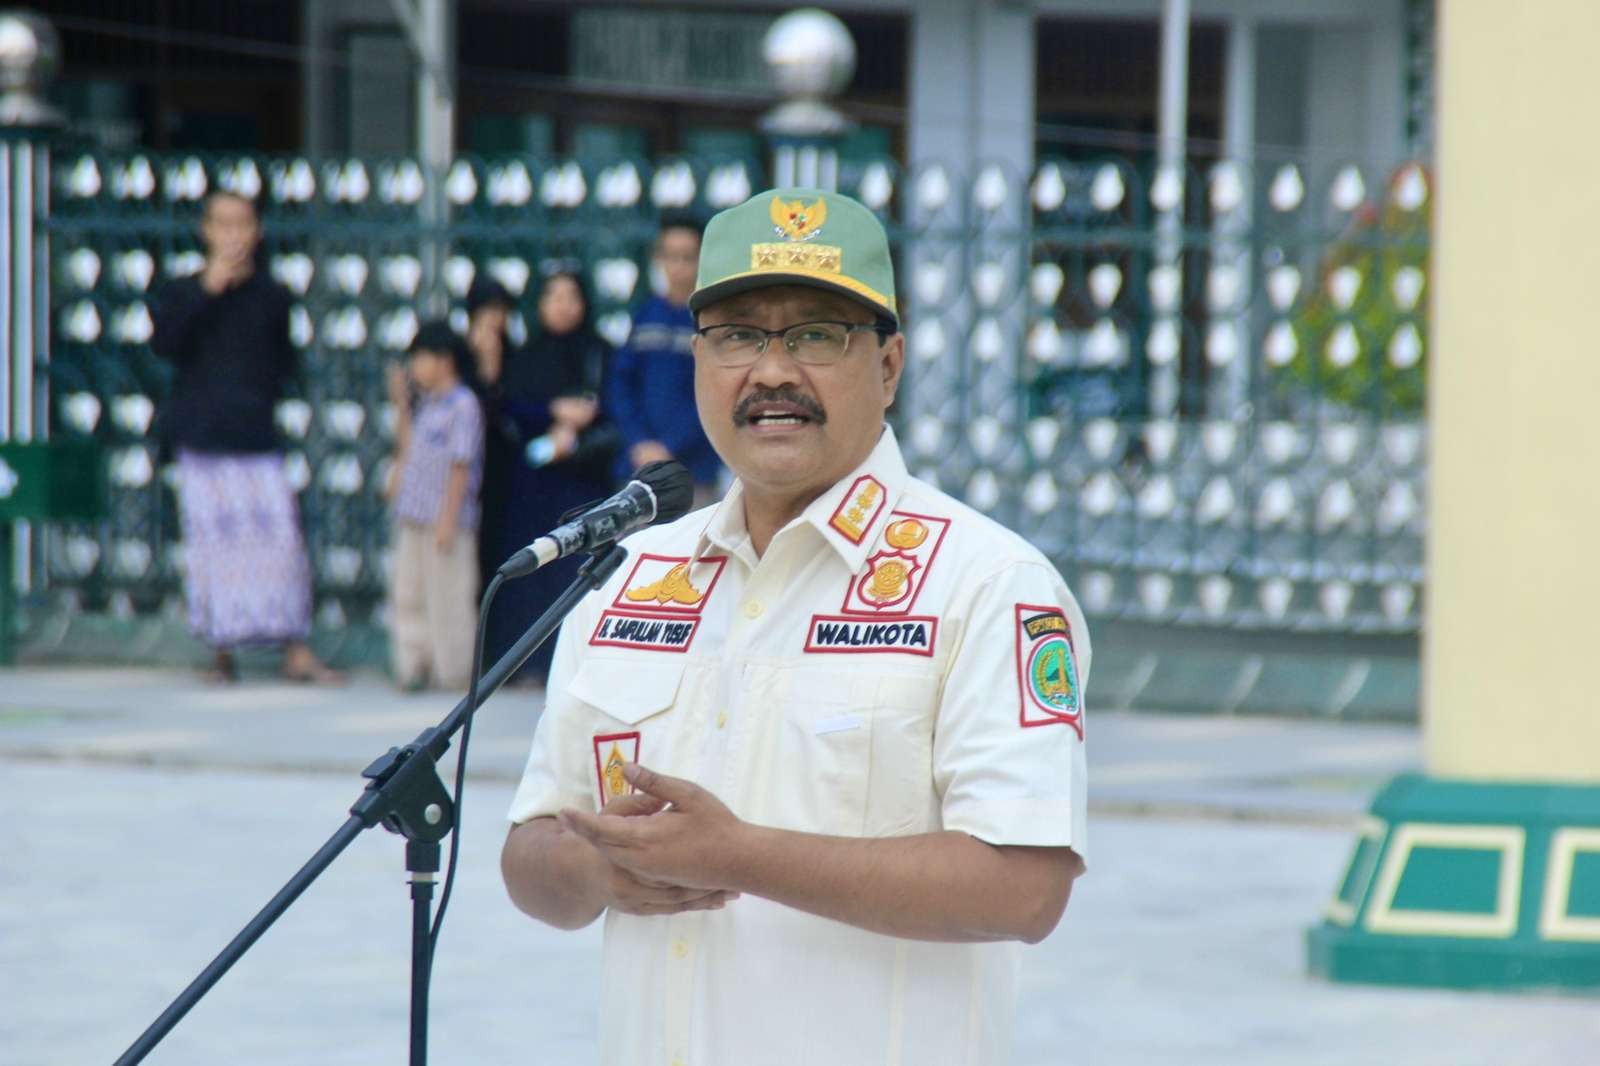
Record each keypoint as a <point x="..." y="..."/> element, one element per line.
<point x="667" y="846"/>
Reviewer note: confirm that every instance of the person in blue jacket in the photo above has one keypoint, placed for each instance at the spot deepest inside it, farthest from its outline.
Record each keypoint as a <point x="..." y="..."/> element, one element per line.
<point x="650" y="390"/>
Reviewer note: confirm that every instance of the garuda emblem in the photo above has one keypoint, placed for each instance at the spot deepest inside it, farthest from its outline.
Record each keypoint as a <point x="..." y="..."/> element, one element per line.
<point x="797" y="220"/>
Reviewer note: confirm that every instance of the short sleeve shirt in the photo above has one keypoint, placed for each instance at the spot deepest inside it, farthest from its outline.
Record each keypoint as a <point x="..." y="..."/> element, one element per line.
<point x="895" y="663"/>
<point x="446" y="430"/>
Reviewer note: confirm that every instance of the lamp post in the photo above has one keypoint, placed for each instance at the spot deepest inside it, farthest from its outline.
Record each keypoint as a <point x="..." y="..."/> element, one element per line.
<point x="812" y="57"/>
<point x="30" y="55"/>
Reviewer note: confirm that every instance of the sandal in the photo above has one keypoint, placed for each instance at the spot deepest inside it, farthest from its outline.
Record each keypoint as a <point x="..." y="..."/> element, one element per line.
<point x="224" y="669"/>
<point x="304" y="668"/>
<point x="315" y="674"/>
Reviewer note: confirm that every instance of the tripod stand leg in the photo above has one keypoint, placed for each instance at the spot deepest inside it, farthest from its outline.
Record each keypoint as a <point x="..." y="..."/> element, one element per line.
<point x="405" y="796"/>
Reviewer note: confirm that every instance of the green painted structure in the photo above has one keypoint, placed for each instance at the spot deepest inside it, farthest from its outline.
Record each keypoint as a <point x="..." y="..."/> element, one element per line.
<point x="63" y="480"/>
<point x="1469" y="884"/>
<point x="41" y="480"/>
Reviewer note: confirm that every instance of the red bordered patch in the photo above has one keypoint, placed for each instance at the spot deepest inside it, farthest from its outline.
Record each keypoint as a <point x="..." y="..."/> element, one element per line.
<point x="859" y="508"/>
<point x="647" y="632"/>
<point x="842" y="634"/>
<point x="612" y="751"/>
<point x="1047" y="668"/>
<point x="894" y="574"/>
<point x="669" y="584"/>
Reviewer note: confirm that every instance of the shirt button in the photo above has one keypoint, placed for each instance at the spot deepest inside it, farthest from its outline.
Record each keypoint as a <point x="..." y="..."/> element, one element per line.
<point x="722" y="719"/>
<point x="680" y="949"/>
<point x="752" y="609"/>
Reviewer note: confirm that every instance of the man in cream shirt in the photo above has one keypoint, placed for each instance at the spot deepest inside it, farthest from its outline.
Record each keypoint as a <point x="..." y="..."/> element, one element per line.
<point x="817" y="752"/>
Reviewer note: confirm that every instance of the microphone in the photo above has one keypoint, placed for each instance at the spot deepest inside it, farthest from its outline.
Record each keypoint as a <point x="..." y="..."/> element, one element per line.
<point x="659" y="492"/>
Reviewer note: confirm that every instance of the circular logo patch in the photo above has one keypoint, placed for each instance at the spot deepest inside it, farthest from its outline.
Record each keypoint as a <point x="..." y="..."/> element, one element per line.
<point x="888" y="580"/>
<point x="1051" y="677"/>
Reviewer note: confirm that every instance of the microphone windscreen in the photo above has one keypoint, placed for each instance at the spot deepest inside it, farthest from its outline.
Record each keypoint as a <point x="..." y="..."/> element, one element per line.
<point x="674" y="488"/>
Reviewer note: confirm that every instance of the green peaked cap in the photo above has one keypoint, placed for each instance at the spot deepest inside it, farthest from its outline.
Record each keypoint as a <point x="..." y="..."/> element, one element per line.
<point x="797" y="237"/>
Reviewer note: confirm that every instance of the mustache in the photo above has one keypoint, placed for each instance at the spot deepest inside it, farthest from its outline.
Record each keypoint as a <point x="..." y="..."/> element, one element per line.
<point x="813" y="410"/>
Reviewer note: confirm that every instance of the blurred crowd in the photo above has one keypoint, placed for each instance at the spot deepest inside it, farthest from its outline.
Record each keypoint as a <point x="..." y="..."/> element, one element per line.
<point x="494" y="443"/>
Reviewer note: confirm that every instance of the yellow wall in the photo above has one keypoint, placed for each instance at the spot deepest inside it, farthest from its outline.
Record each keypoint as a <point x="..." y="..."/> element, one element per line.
<point x="1512" y="644"/>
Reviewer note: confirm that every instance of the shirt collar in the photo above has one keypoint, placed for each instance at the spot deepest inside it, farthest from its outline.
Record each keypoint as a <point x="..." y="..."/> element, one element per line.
<point x="726" y="530"/>
<point x="847" y="516"/>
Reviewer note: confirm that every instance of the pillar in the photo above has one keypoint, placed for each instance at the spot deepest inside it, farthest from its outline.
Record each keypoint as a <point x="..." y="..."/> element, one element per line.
<point x="1485" y="869"/>
<point x="970" y="134"/>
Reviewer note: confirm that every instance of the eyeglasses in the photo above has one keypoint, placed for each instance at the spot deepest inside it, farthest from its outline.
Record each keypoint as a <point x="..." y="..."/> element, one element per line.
<point x="811" y="343"/>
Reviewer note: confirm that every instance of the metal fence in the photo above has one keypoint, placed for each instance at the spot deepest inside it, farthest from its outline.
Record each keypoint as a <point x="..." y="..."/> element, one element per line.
<point x="1216" y="424"/>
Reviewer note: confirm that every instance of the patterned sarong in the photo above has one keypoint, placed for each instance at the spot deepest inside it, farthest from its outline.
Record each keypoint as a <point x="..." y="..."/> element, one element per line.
<point x="248" y="578"/>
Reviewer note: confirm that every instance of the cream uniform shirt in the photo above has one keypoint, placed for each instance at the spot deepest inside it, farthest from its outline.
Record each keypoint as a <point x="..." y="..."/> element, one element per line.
<point x="895" y="663"/>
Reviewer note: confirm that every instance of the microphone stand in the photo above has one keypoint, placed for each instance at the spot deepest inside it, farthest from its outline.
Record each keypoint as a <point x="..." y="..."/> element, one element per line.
<point x="405" y="795"/>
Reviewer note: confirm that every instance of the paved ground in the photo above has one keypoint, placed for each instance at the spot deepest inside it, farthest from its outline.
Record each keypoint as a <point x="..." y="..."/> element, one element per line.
<point x="1244" y="767"/>
<point x="157" y="815"/>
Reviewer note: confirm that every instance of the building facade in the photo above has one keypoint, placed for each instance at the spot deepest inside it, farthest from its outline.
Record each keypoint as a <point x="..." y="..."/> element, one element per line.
<point x="953" y="80"/>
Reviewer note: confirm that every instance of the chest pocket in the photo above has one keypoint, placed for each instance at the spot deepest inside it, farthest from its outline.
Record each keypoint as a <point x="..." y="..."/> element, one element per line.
<point x="627" y="690"/>
<point x="855" y="753"/>
<point x="632" y="706"/>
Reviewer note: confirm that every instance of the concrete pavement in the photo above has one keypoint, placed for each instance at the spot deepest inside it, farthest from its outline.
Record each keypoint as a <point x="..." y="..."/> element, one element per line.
<point x="1278" y="768"/>
<point x="157" y="815"/>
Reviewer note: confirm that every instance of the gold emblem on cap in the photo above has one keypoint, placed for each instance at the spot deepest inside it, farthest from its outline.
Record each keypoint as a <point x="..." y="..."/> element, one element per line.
<point x="674" y="587"/>
<point x="798" y="220"/>
<point x="905" y="534"/>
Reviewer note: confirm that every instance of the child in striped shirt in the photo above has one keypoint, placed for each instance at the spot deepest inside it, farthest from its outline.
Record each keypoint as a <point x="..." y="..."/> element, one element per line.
<point x="433" y="491"/>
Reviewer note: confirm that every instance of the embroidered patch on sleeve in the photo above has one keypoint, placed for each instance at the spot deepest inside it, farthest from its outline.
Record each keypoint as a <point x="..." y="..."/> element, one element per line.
<point x="859" y="508"/>
<point x="1047" y="668"/>
<point x="612" y="751"/>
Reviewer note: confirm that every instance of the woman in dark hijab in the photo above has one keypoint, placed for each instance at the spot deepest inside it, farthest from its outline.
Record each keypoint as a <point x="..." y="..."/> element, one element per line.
<point x="566" y="447"/>
<point x="489" y="308"/>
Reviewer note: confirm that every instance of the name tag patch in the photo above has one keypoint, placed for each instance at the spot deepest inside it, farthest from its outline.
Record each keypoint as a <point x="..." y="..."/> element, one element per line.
<point x="619" y="629"/>
<point x="843" y="634"/>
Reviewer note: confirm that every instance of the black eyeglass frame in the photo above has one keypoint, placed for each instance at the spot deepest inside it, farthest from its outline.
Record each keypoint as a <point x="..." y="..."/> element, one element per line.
<point x="851" y="329"/>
